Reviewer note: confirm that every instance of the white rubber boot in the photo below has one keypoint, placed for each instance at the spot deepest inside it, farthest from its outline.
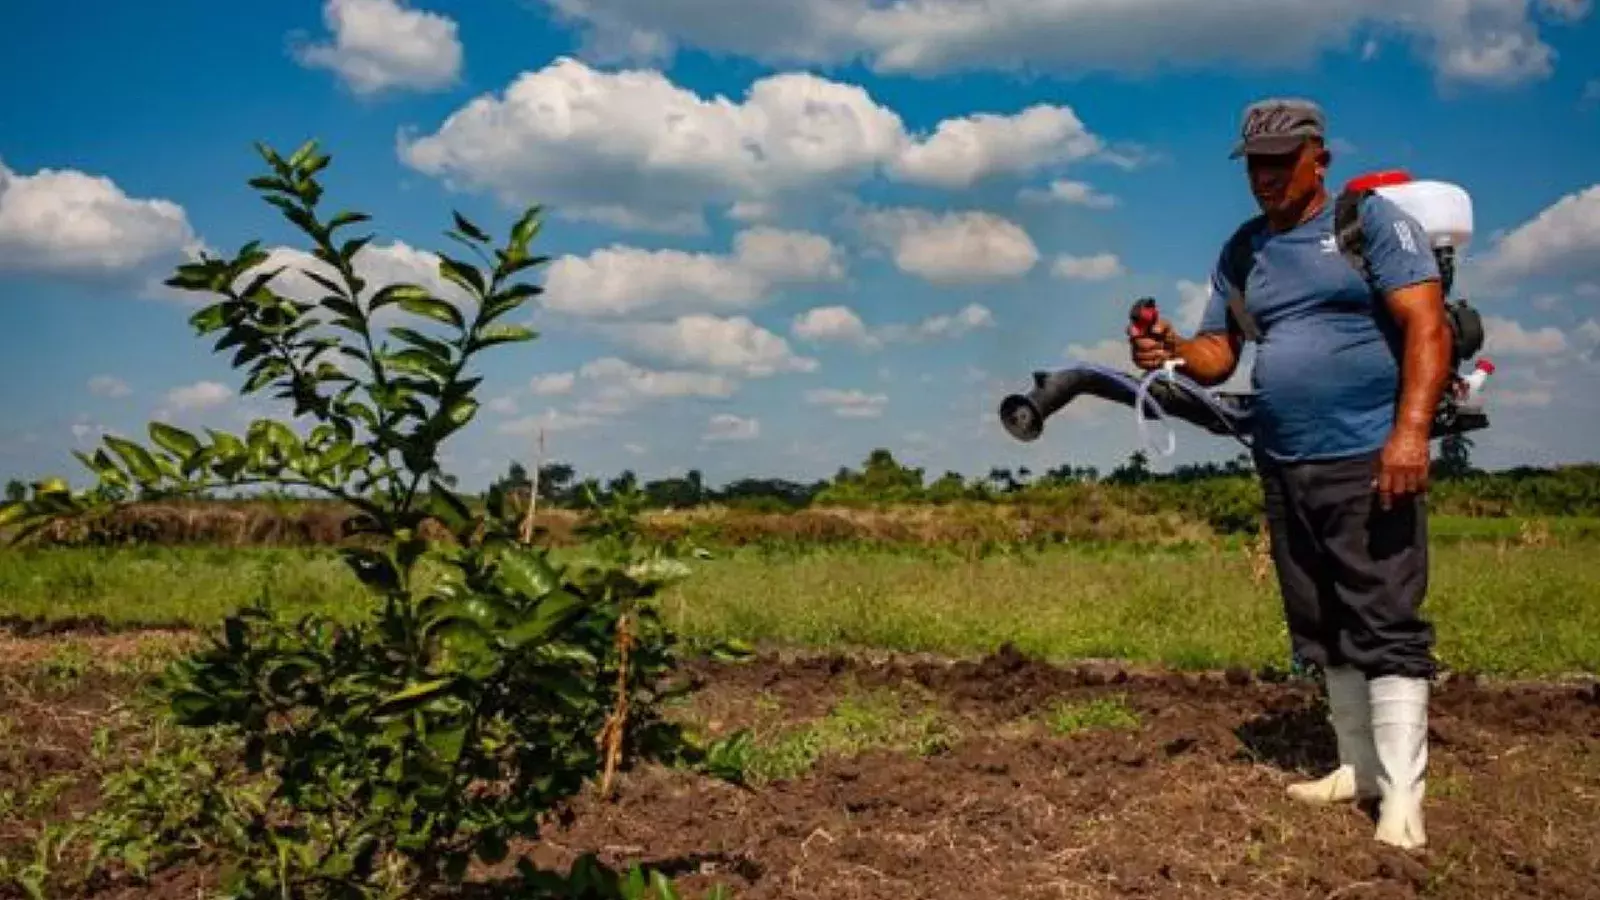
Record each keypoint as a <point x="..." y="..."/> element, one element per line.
<point x="1400" y="733"/>
<point x="1350" y="714"/>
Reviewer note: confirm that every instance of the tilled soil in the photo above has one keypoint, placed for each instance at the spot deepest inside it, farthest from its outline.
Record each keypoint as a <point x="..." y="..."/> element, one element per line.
<point x="1188" y="802"/>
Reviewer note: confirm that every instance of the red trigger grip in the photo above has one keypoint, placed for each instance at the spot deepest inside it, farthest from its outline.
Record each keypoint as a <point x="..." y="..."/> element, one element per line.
<point x="1145" y="314"/>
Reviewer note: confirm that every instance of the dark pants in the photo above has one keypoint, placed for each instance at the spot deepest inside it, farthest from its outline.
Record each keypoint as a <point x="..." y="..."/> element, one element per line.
<point x="1353" y="575"/>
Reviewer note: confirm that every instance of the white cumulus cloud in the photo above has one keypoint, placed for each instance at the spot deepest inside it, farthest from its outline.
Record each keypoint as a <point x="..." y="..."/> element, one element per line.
<point x="841" y="324"/>
<point x="551" y="384"/>
<point x="380" y="45"/>
<point x="1563" y="239"/>
<point x="833" y="323"/>
<point x="1192" y="299"/>
<point x="951" y="247"/>
<point x="1067" y="191"/>
<point x="851" y="404"/>
<point x="1507" y="337"/>
<point x="550" y="421"/>
<point x="733" y="344"/>
<point x="729" y="427"/>
<point x="1112" y="352"/>
<point x="1098" y="267"/>
<point x="201" y="395"/>
<point x="625" y="281"/>
<point x="615" y="386"/>
<point x="1471" y="41"/>
<point x="108" y="386"/>
<point x="963" y="151"/>
<point x="632" y="149"/>
<point x="945" y="325"/>
<point x="608" y="386"/>
<point x="67" y="222"/>
<point x="1527" y="397"/>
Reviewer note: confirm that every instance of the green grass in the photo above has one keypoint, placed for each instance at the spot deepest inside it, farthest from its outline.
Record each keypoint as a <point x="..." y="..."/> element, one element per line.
<point x="858" y="722"/>
<point x="1500" y="609"/>
<point x="1482" y="528"/>
<point x="162" y="585"/>
<point x="1108" y="713"/>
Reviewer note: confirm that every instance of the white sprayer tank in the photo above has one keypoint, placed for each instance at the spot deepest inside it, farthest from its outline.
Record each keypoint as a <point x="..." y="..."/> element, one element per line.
<point x="1443" y="209"/>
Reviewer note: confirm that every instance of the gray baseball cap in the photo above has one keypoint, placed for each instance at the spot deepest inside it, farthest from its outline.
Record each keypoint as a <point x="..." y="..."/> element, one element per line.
<point x="1278" y="125"/>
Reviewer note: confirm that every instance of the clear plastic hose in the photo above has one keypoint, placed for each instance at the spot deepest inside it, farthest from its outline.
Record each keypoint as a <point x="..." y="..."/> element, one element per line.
<point x="1167" y="369"/>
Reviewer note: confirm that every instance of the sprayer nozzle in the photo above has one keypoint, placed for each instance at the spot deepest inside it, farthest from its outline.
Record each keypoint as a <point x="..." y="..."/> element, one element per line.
<point x="1021" y="418"/>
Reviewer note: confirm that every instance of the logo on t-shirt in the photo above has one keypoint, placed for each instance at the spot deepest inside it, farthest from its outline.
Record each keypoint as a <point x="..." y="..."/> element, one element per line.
<point x="1407" y="242"/>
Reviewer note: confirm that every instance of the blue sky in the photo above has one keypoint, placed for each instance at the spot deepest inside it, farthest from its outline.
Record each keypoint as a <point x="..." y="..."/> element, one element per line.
<point x="786" y="232"/>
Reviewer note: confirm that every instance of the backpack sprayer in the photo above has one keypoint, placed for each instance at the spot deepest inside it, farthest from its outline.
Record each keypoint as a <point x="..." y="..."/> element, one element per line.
<point x="1445" y="212"/>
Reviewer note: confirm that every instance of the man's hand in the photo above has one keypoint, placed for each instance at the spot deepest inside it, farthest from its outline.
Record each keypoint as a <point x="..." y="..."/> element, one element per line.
<point x="1424" y="371"/>
<point x="1152" y="348"/>
<point x="1402" y="467"/>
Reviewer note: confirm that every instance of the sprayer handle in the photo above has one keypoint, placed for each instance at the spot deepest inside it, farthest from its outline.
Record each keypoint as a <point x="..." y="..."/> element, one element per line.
<point x="1144" y="314"/>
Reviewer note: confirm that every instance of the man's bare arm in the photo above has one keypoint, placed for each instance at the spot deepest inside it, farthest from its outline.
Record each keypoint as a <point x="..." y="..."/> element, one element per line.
<point x="1425" y="365"/>
<point x="1424" y="372"/>
<point x="1210" y="358"/>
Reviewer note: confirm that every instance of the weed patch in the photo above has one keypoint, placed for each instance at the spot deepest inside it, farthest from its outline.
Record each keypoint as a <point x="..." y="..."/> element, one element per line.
<point x="858" y="722"/>
<point x="1100" y="714"/>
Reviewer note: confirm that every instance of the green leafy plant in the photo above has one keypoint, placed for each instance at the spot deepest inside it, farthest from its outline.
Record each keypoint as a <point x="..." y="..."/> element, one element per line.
<point x="489" y="681"/>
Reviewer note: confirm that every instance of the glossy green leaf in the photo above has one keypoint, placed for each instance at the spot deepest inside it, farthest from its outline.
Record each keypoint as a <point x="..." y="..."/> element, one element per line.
<point x="664" y="888"/>
<point x="500" y="333"/>
<point x="302" y="153"/>
<point x="418" y="362"/>
<point x="414" y="696"/>
<point x="396" y="293"/>
<point x="433" y="308"/>
<point x="195" y="709"/>
<point x="528" y="225"/>
<point x="527" y="573"/>
<point x="347" y="218"/>
<point x="513" y="295"/>
<point x="634" y="886"/>
<point x="373" y="568"/>
<point x="460" y="412"/>
<point x="139" y="461"/>
<point x="447" y="743"/>
<point x="550" y="615"/>
<point x="12" y="512"/>
<point x="467" y="228"/>
<point x="209" y="319"/>
<point x="458" y="272"/>
<point x="449" y="508"/>
<point x="175" y="440"/>
<point x="434" y="347"/>
<point x="225" y="445"/>
<point x="349" y="313"/>
<point x="259" y="283"/>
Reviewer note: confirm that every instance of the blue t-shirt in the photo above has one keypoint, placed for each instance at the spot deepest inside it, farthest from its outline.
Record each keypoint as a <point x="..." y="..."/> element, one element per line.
<point x="1327" y="367"/>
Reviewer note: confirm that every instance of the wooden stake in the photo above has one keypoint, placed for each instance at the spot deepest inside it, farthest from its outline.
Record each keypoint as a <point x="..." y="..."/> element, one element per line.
<point x="610" y="738"/>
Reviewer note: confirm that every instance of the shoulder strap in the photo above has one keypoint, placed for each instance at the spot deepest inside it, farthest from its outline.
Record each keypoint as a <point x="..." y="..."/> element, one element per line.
<point x="1240" y="260"/>
<point x="1347" y="230"/>
<point x="1241" y="316"/>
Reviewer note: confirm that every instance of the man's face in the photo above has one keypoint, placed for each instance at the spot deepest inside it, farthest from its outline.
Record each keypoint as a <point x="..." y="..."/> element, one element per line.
<point x="1285" y="181"/>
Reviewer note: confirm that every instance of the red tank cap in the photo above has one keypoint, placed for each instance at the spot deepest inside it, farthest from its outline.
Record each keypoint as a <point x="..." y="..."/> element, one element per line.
<point x="1382" y="178"/>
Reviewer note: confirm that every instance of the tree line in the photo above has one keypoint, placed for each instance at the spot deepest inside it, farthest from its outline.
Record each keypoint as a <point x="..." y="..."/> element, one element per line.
<point x="881" y="478"/>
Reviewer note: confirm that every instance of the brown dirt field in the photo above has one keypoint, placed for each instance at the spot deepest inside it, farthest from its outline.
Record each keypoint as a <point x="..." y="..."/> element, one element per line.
<point x="1188" y="803"/>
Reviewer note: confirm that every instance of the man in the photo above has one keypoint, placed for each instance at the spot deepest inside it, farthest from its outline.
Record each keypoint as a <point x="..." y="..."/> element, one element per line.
<point x="1347" y="377"/>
